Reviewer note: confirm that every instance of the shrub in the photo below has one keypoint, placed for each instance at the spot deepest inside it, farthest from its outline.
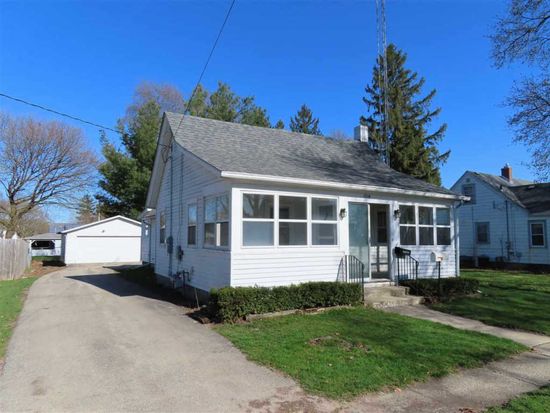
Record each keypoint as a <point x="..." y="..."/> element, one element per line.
<point x="450" y="288"/>
<point x="230" y="304"/>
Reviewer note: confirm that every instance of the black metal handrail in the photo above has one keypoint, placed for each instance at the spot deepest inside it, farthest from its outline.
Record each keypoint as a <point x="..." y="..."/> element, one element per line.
<point x="407" y="266"/>
<point x="351" y="270"/>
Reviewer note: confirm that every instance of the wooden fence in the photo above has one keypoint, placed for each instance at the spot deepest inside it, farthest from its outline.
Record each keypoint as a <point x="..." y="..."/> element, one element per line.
<point x="15" y="258"/>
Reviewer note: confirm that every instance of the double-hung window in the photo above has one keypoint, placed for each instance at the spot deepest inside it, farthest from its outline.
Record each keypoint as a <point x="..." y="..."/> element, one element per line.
<point x="324" y="221"/>
<point x="470" y="191"/>
<point x="162" y="228"/>
<point x="482" y="232"/>
<point x="192" y="224"/>
<point x="258" y="220"/>
<point x="443" y="223"/>
<point x="426" y="225"/>
<point x="537" y="234"/>
<point x="216" y="221"/>
<point x="292" y="220"/>
<point x="407" y="225"/>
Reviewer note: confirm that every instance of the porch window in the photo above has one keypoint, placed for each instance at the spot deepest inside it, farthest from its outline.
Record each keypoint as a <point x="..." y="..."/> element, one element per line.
<point x="426" y="225"/>
<point x="192" y="224"/>
<point x="162" y="228"/>
<point x="292" y="220"/>
<point x="482" y="232"/>
<point x="258" y="219"/>
<point x="537" y="234"/>
<point x="407" y="225"/>
<point x="324" y="224"/>
<point x="443" y="222"/>
<point x="216" y="221"/>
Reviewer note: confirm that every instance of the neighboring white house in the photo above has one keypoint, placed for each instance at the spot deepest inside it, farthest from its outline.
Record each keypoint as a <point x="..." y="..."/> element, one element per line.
<point x="45" y="245"/>
<point x="506" y="219"/>
<point x="116" y="239"/>
<point x="237" y="205"/>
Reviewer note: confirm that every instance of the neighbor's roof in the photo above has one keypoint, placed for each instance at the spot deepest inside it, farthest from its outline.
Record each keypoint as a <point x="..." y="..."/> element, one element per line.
<point x="527" y="194"/>
<point x="233" y="147"/>
<point x="103" y="221"/>
<point x="44" y="236"/>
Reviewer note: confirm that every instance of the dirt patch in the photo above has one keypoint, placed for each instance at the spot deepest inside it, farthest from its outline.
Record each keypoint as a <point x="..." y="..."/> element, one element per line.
<point x="40" y="268"/>
<point x="337" y="341"/>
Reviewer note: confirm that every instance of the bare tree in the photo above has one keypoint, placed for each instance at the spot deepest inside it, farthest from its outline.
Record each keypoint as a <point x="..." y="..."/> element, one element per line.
<point x="41" y="163"/>
<point x="523" y="35"/>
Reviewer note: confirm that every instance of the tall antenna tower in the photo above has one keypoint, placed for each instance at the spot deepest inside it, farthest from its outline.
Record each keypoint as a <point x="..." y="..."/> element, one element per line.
<point x="383" y="108"/>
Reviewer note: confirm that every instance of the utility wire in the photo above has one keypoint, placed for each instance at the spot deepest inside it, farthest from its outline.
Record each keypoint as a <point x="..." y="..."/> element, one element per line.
<point x="59" y="113"/>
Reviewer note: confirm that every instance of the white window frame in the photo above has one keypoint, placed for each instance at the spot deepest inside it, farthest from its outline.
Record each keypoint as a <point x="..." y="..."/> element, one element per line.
<point x="217" y="222"/>
<point x="414" y="225"/>
<point x="275" y="220"/>
<point x="432" y="225"/>
<point x="196" y="225"/>
<point x="544" y="238"/>
<point x="437" y="225"/>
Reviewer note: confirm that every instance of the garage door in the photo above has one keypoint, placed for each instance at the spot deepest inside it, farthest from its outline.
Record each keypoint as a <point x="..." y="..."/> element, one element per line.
<point x="90" y="249"/>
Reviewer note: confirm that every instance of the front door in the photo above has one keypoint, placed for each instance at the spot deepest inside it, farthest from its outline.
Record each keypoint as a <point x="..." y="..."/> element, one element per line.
<point x="359" y="234"/>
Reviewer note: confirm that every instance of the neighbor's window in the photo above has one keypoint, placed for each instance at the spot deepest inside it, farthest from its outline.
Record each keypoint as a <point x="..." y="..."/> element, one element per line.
<point x="537" y="233"/>
<point x="192" y="224"/>
<point x="43" y="245"/>
<point x="324" y="224"/>
<point x="482" y="232"/>
<point x="162" y="228"/>
<point x="258" y="219"/>
<point x="469" y="190"/>
<point x="407" y="225"/>
<point x="426" y="225"/>
<point x="443" y="224"/>
<point x="292" y="220"/>
<point x="216" y="221"/>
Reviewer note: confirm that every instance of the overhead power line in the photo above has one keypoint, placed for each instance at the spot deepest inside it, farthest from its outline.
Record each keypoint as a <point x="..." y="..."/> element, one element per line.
<point x="66" y="115"/>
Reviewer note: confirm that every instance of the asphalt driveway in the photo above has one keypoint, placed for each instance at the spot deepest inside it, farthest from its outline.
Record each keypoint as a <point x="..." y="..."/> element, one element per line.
<point x="88" y="341"/>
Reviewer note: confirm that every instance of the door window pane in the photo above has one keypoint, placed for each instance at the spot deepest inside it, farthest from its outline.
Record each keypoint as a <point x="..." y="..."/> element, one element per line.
<point x="406" y="214"/>
<point x="257" y="206"/>
<point x="257" y="233"/>
<point x="291" y="207"/>
<point x="324" y="234"/>
<point x="425" y="216"/>
<point x="292" y="233"/>
<point x="444" y="236"/>
<point x="323" y="209"/>
<point x="426" y="235"/>
<point x="407" y="235"/>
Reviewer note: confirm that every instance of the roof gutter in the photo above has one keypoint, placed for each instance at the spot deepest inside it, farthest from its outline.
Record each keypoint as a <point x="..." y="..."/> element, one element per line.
<point x="335" y="185"/>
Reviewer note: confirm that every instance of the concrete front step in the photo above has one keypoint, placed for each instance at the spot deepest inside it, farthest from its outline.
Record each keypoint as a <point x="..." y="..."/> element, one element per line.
<point x="393" y="291"/>
<point x="389" y="301"/>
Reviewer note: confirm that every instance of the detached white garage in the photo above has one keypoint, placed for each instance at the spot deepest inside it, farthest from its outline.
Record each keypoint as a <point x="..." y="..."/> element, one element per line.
<point x="116" y="239"/>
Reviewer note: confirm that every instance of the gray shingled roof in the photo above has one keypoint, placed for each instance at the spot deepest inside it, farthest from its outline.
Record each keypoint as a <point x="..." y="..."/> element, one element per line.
<point x="232" y="147"/>
<point x="45" y="236"/>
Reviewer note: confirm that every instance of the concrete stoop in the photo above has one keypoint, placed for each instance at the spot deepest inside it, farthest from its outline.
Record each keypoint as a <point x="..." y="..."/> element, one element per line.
<point x="390" y="296"/>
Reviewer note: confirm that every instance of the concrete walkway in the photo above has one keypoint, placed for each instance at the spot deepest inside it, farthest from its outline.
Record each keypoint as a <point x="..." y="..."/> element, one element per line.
<point x="88" y="341"/>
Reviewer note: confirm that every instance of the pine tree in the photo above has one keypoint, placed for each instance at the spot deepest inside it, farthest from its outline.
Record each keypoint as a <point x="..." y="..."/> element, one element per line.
<point x="412" y="148"/>
<point x="279" y="125"/>
<point x="86" y="211"/>
<point x="304" y="122"/>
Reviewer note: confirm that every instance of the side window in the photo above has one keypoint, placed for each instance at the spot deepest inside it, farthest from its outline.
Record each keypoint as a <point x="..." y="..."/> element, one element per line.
<point x="324" y="224"/>
<point x="292" y="220"/>
<point x="469" y="190"/>
<point x="443" y="225"/>
<point x="426" y="225"/>
<point x="162" y="228"/>
<point x="216" y="221"/>
<point x="258" y="220"/>
<point x="482" y="233"/>
<point x="407" y="225"/>
<point x="537" y="234"/>
<point x="192" y="224"/>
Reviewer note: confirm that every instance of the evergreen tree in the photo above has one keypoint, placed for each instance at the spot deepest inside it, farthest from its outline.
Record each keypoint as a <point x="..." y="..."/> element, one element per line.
<point x="86" y="210"/>
<point x="412" y="148"/>
<point x="304" y="122"/>
<point x="279" y="125"/>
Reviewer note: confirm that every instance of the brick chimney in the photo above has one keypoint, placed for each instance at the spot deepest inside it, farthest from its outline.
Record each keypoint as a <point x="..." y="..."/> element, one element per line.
<point x="506" y="172"/>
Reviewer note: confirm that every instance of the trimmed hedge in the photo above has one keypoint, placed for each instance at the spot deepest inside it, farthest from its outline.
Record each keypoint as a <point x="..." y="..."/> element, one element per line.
<point x="230" y="304"/>
<point x="450" y="288"/>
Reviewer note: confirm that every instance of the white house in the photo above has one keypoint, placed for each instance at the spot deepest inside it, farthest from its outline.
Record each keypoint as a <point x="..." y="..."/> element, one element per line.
<point x="45" y="245"/>
<point x="506" y="219"/>
<point x="237" y="205"/>
<point x="115" y="239"/>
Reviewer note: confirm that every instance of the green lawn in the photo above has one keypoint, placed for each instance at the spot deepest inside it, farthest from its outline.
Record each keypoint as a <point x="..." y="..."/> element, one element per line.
<point x="344" y="353"/>
<point x="509" y="299"/>
<point x="535" y="402"/>
<point x="11" y="303"/>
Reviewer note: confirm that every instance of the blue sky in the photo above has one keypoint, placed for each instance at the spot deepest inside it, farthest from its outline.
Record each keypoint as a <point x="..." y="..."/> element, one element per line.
<point x="86" y="58"/>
